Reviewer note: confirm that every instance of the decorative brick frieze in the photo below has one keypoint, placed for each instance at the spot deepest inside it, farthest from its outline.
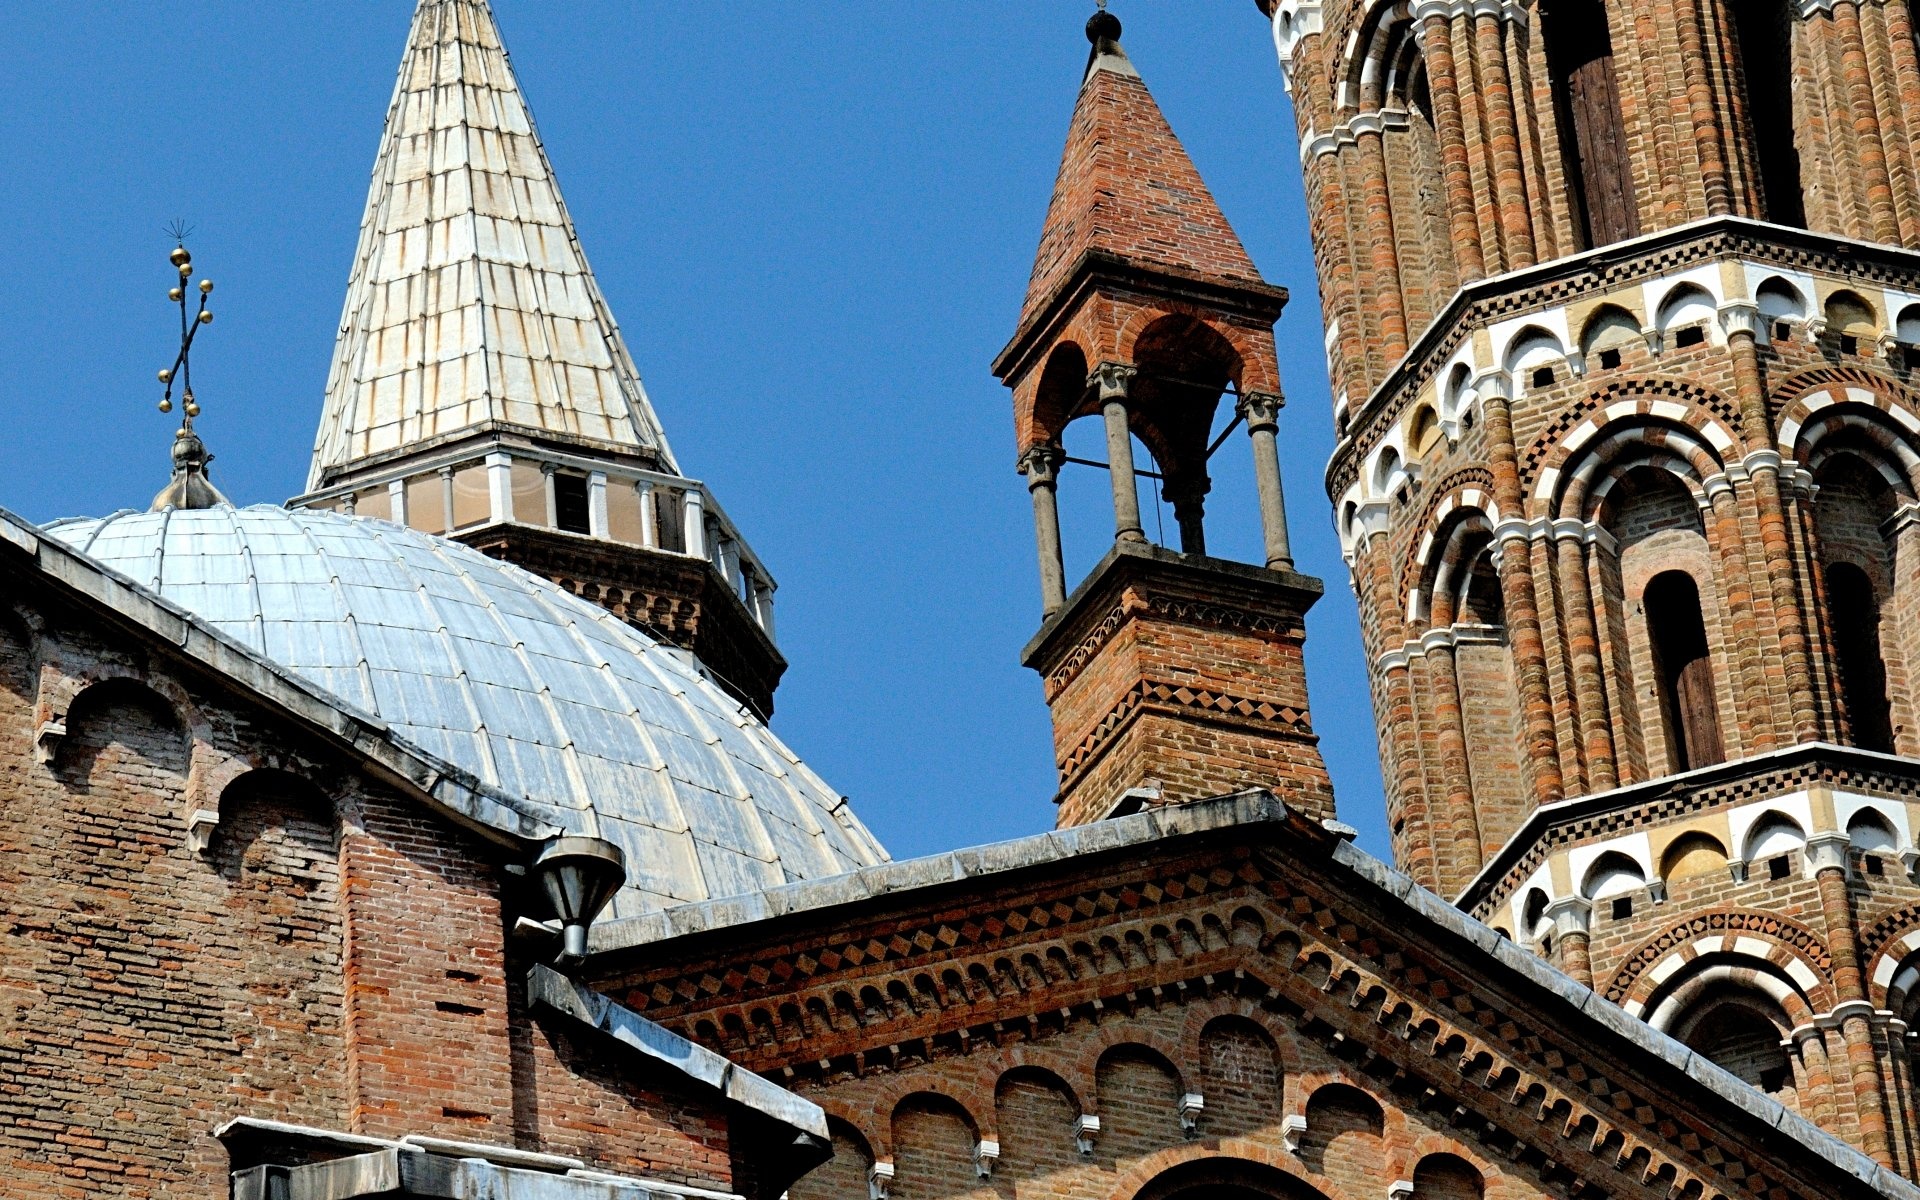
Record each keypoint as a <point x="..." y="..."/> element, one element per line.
<point x="1077" y="1043"/>
<point x="1180" y="674"/>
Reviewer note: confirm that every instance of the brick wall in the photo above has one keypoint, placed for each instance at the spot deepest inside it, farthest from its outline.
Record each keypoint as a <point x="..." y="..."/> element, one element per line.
<point x="336" y="957"/>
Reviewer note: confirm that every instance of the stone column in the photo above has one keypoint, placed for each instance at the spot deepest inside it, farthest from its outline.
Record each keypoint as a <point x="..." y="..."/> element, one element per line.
<point x="763" y="604"/>
<point x="1827" y="859"/>
<point x="1572" y="918"/>
<point x="1382" y="252"/>
<point x="1503" y="137"/>
<point x="553" y="501"/>
<point x="1114" y="380"/>
<point x="1262" y="413"/>
<point x="649" y="515"/>
<point x="1436" y="44"/>
<point x="397" y="501"/>
<point x="694" y="516"/>
<point x="1583" y="656"/>
<point x="597" y="503"/>
<point x="1754" y="728"/>
<point x="500" y="487"/>
<point x="1041" y="466"/>
<point x="446" y="498"/>
<point x="1464" y="851"/>
<point x="1511" y="541"/>
<point x="1865" y="119"/>
<point x="1715" y="180"/>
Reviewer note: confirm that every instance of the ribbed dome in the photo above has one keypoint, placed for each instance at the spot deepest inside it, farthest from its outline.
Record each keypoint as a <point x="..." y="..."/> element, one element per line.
<point x="499" y="672"/>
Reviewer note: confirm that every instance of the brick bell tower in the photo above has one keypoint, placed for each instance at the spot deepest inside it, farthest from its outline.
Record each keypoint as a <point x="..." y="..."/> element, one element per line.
<point x="1623" y="320"/>
<point x="1171" y="675"/>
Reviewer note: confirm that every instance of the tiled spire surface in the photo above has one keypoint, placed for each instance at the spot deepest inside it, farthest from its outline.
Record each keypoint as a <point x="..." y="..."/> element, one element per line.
<point x="1127" y="188"/>
<point x="471" y="305"/>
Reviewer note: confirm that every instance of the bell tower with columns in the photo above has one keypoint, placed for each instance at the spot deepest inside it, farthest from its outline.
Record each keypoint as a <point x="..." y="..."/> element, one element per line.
<point x="1171" y="675"/>
<point x="1623" y="324"/>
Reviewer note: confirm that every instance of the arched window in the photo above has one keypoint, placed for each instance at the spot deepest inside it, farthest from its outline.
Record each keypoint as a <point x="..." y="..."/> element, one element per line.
<point x="1683" y="670"/>
<point x="1856" y="646"/>
<point x="1763" y="36"/>
<point x="1739" y="1036"/>
<point x="1593" y="137"/>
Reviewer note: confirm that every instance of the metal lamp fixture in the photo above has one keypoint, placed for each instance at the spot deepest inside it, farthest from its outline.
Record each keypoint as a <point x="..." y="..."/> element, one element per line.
<point x="580" y="875"/>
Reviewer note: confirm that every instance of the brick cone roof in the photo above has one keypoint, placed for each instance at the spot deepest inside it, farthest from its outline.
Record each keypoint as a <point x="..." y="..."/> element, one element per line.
<point x="1126" y="188"/>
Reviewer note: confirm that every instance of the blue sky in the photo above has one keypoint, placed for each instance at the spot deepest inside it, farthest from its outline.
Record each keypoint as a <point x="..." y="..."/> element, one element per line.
<point x="813" y="221"/>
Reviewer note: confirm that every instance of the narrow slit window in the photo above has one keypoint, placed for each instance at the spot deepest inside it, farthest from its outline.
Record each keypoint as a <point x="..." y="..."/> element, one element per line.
<point x="1684" y="670"/>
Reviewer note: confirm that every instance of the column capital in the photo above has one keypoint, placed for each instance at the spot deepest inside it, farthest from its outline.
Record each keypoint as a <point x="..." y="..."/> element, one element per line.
<point x="1570" y="914"/>
<point x="1740" y="316"/>
<point x="1113" y="379"/>
<point x="1261" y="409"/>
<point x="1827" y="851"/>
<point x="1041" y="464"/>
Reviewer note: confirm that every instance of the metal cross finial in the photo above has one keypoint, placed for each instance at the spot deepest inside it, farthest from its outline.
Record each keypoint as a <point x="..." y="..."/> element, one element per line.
<point x="189" y="487"/>
<point x="182" y="368"/>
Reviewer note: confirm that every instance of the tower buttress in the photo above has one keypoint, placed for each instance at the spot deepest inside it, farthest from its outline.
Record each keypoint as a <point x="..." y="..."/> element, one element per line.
<point x="1171" y="675"/>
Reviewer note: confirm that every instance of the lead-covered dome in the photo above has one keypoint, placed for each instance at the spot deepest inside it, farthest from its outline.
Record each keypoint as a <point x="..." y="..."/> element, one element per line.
<point x="537" y="692"/>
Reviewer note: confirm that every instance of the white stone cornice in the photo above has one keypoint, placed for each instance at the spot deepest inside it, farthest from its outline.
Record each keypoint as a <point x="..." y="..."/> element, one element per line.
<point x="1392" y="660"/>
<point x="1713" y="487"/>
<point x="1569" y="529"/>
<point x="1436" y="639"/>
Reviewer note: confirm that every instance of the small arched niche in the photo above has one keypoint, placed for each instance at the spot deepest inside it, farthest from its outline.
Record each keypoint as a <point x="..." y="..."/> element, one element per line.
<point x="1686" y="317"/>
<point x="1609" y="331"/>
<point x="1447" y="1177"/>
<point x="123" y="722"/>
<point x="1871" y="833"/>
<point x="1240" y="1077"/>
<point x="1535" y="359"/>
<point x="1423" y="430"/>
<point x="842" y="1176"/>
<point x="1035" y="1112"/>
<point x="1780" y="303"/>
<point x="1692" y="856"/>
<point x="1907" y="327"/>
<point x="1613" y="874"/>
<point x="1772" y="837"/>
<point x="1848" y="314"/>
<point x="1345" y="1131"/>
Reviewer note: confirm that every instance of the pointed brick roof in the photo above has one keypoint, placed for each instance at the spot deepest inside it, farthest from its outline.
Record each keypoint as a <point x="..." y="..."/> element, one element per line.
<point x="470" y="302"/>
<point x="1127" y="188"/>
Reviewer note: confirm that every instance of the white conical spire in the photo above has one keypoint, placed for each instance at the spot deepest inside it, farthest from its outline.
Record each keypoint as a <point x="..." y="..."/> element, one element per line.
<point x="471" y="306"/>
